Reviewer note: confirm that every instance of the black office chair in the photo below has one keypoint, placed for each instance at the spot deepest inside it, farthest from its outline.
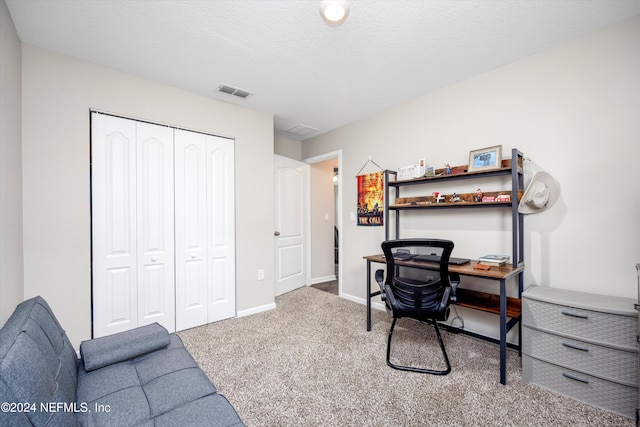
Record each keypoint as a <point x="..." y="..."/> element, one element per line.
<point x="426" y="301"/>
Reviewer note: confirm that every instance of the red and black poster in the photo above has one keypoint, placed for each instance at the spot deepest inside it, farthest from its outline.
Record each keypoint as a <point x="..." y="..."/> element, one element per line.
<point x="371" y="199"/>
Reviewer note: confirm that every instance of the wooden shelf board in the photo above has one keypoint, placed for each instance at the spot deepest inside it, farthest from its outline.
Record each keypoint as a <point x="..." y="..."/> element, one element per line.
<point x="447" y="205"/>
<point x="440" y="173"/>
<point x="487" y="302"/>
<point x="466" y="200"/>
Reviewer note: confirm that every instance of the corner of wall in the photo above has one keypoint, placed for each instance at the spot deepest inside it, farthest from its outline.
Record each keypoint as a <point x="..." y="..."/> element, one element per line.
<point x="11" y="240"/>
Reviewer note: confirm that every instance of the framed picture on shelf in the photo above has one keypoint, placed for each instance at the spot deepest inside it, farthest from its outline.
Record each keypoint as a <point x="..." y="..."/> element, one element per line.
<point x="485" y="159"/>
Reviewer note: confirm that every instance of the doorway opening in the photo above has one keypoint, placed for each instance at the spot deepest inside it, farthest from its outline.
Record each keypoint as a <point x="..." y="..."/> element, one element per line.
<point x="326" y="221"/>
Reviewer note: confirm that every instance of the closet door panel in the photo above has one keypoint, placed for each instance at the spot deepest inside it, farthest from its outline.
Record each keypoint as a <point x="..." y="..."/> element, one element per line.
<point x="155" y="225"/>
<point x="190" y="229"/>
<point x="221" y="228"/>
<point x="114" y="246"/>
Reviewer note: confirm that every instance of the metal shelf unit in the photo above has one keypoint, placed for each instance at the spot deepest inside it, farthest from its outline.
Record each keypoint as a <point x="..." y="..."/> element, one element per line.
<point x="512" y="168"/>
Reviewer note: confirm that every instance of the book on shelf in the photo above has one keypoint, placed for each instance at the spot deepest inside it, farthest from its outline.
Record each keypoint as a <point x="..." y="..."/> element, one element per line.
<point x="494" y="260"/>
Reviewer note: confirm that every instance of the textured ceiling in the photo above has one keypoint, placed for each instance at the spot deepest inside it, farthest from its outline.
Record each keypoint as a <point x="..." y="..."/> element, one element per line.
<point x="298" y="68"/>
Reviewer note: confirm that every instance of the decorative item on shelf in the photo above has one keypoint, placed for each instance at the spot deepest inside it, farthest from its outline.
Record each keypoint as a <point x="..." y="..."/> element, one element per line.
<point x="439" y="197"/>
<point x="503" y="198"/>
<point x="420" y="171"/>
<point x="407" y="172"/>
<point x="430" y="171"/>
<point x="486" y="199"/>
<point x="478" y="196"/>
<point x="485" y="159"/>
<point x="542" y="193"/>
<point x="415" y="171"/>
<point x="456" y="170"/>
<point x="494" y="260"/>
<point x="447" y="169"/>
<point x="455" y="197"/>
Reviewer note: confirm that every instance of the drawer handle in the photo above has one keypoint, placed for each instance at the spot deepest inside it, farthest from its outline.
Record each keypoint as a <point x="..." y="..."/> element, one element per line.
<point x="578" y="315"/>
<point x="576" y="378"/>
<point x="576" y="347"/>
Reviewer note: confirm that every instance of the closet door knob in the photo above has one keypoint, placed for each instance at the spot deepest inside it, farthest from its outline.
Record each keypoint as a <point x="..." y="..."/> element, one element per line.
<point x="154" y="259"/>
<point x="276" y="233"/>
<point x="193" y="256"/>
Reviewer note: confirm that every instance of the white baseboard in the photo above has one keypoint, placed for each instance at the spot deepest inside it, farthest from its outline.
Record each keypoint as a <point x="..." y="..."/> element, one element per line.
<point x="317" y="280"/>
<point x="267" y="307"/>
<point x="374" y="305"/>
<point x="256" y="310"/>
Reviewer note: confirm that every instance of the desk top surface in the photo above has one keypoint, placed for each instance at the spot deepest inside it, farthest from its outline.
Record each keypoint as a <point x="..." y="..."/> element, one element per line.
<point x="504" y="272"/>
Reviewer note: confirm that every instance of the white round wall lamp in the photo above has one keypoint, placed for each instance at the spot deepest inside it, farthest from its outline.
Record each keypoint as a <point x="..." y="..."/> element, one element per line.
<point x="334" y="12"/>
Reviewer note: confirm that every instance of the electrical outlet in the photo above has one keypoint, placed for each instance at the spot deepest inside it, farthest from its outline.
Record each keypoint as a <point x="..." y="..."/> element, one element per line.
<point x="261" y="274"/>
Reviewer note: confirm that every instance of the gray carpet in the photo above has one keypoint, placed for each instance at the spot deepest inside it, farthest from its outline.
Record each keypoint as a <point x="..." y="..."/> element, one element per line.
<point x="311" y="362"/>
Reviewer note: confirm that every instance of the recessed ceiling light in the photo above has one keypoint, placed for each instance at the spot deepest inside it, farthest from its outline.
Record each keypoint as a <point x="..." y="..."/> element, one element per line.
<point x="334" y="12"/>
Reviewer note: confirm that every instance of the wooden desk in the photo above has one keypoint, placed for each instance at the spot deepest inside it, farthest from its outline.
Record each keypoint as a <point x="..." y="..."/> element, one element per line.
<point x="499" y="304"/>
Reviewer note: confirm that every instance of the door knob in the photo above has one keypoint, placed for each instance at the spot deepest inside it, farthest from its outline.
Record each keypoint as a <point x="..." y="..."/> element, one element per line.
<point x="193" y="256"/>
<point x="276" y="233"/>
<point x="154" y="259"/>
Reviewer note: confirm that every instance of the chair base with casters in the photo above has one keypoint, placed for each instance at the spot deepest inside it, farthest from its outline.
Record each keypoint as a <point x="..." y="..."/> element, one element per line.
<point x="425" y="301"/>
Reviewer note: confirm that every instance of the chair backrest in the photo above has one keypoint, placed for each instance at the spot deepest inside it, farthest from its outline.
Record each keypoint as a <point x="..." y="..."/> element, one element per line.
<point x="414" y="293"/>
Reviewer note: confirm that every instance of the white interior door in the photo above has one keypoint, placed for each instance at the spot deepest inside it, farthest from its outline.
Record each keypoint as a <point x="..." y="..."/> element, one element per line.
<point x="205" y="229"/>
<point x="291" y="227"/>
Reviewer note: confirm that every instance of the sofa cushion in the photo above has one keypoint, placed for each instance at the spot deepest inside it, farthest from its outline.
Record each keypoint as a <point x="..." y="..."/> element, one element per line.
<point x="199" y="413"/>
<point x="103" y="351"/>
<point x="37" y="365"/>
<point x="156" y="386"/>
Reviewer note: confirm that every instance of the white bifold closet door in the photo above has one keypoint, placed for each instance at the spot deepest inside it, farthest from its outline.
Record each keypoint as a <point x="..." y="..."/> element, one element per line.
<point x="132" y="225"/>
<point x="158" y="252"/>
<point x="205" y="229"/>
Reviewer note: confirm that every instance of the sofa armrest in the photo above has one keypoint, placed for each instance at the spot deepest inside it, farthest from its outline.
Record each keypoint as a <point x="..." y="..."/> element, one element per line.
<point x="100" y="352"/>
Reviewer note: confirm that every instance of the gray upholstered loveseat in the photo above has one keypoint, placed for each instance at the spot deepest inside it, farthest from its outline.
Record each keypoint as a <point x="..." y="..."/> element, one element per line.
<point x="142" y="377"/>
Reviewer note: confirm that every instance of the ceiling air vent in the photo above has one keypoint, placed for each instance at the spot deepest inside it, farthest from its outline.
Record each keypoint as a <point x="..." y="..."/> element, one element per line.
<point x="302" y="130"/>
<point x="234" y="91"/>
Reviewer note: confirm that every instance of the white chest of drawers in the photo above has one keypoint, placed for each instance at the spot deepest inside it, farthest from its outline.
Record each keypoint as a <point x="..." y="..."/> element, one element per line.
<point x="582" y="346"/>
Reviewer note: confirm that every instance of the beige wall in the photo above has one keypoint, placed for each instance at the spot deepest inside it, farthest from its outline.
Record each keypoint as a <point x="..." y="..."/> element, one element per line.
<point x="287" y="147"/>
<point x="11" y="276"/>
<point x="574" y="109"/>
<point x="58" y="92"/>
